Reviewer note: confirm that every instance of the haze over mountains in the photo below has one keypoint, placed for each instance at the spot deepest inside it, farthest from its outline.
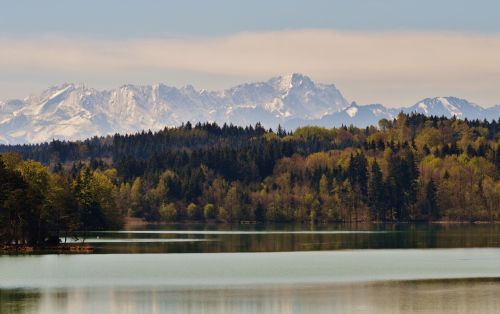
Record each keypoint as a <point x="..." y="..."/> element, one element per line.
<point x="73" y="111"/>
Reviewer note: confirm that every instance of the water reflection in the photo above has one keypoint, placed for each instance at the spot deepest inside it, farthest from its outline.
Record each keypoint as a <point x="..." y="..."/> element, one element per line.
<point x="238" y="232"/>
<point x="340" y="281"/>
<point x="443" y="296"/>
<point x="129" y="240"/>
<point x="276" y="238"/>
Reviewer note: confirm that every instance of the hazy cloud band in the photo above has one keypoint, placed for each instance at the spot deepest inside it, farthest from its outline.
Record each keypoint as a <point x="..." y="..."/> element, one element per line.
<point x="394" y="68"/>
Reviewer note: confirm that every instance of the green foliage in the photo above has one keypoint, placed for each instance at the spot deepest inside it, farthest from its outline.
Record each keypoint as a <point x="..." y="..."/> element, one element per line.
<point x="223" y="215"/>
<point x="309" y="133"/>
<point x="431" y="201"/>
<point x="168" y="212"/>
<point x="38" y="207"/>
<point x="376" y="193"/>
<point x="193" y="212"/>
<point x="209" y="211"/>
<point x="409" y="169"/>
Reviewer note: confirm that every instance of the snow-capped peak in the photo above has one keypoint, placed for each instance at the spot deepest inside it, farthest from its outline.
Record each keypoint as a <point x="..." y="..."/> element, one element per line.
<point x="74" y="111"/>
<point x="352" y="110"/>
<point x="449" y="107"/>
<point x="287" y="82"/>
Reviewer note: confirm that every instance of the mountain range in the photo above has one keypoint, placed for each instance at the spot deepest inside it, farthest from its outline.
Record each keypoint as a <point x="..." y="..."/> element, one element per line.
<point x="74" y="111"/>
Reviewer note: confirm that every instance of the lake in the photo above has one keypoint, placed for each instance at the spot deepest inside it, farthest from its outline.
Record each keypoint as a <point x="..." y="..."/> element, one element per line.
<point x="264" y="269"/>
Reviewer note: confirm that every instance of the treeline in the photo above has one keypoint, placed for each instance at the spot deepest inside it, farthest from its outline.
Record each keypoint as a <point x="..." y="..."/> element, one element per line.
<point x="412" y="168"/>
<point x="39" y="207"/>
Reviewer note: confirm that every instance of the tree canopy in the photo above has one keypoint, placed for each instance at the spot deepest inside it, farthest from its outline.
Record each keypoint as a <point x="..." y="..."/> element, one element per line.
<point x="413" y="168"/>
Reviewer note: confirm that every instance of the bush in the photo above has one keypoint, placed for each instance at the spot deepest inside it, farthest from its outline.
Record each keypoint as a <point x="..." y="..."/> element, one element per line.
<point x="209" y="211"/>
<point x="192" y="211"/>
<point x="168" y="212"/>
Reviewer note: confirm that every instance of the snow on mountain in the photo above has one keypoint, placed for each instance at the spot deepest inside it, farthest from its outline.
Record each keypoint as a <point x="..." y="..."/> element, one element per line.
<point x="448" y="107"/>
<point x="354" y="114"/>
<point x="281" y="98"/>
<point x="74" y="111"/>
<point x="366" y="115"/>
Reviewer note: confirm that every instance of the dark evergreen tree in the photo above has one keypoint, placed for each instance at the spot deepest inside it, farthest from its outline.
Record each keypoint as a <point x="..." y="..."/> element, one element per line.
<point x="376" y="195"/>
<point x="430" y="201"/>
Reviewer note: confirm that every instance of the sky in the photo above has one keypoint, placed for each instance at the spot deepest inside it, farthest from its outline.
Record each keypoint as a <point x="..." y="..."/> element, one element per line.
<point x="393" y="52"/>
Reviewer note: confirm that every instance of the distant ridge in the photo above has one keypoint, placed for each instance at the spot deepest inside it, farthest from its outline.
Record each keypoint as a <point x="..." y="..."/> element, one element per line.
<point x="74" y="111"/>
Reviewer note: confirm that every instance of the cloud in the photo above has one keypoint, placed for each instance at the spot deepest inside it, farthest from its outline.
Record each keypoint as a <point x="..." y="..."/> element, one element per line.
<point x="390" y="67"/>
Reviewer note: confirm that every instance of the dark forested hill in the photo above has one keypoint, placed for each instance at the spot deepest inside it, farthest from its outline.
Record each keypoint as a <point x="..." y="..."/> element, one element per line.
<point x="411" y="168"/>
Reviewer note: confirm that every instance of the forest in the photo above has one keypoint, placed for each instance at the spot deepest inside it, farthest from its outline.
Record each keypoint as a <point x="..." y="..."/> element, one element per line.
<point x="412" y="168"/>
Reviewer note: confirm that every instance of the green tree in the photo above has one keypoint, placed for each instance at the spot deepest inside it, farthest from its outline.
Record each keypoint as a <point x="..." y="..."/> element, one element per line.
<point x="62" y="216"/>
<point x="209" y="211"/>
<point x="193" y="212"/>
<point x="430" y="201"/>
<point x="13" y="207"/>
<point x="168" y="212"/>
<point x="37" y="178"/>
<point x="376" y="195"/>
<point x="223" y="215"/>
<point x="136" y="198"/>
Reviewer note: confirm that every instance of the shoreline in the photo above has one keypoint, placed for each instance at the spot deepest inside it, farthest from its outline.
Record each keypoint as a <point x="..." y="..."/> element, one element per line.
<point x="130" y="222"/>
<point x="61" y="248"/>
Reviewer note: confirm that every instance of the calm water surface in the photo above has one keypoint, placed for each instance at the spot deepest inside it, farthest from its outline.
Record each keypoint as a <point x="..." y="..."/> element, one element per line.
<point x="283" y="238"/>
<point x="264" y="269"/>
